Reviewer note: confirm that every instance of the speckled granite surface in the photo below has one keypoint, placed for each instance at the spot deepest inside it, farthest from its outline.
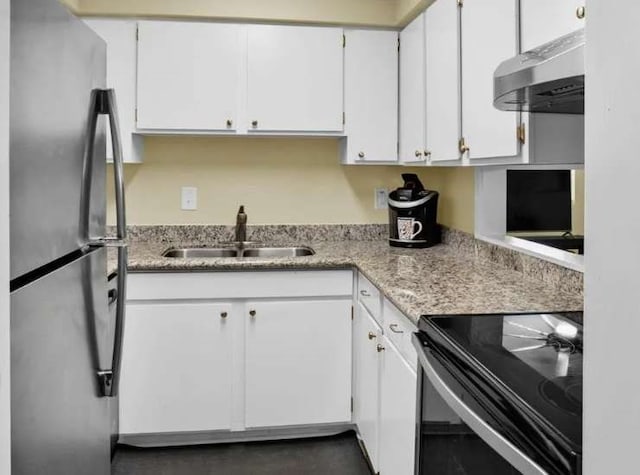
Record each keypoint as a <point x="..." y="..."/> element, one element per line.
<point x="457" y="277"/>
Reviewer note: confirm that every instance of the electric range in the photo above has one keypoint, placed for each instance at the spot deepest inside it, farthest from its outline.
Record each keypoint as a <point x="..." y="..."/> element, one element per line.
<point x="500" y="394"/>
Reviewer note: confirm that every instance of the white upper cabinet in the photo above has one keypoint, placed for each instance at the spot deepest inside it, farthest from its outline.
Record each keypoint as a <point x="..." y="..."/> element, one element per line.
<point x="298" y="362"/>
<point x="412" y="92"/>
<point x="295" y="78"/>
<point x="489" y="36"/>
<point x="120" y="36"/>
<point x="542" y="21"/>
<point x="371" y="96"/>
<point x="188" y="75"/>
<point x="442" y="81"/>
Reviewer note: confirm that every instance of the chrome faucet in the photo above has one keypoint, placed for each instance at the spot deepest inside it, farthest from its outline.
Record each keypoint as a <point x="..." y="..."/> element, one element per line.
<point x="241" y="226"/>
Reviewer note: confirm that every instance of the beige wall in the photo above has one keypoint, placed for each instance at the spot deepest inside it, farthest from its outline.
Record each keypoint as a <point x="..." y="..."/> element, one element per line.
<point x="385" y="13"/>
<point x="578" y="204"/>
<point x="280" y="181"/>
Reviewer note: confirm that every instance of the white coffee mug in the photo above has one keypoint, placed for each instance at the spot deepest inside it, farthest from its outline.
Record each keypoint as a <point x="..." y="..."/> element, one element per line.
<point x="407" y="228"/>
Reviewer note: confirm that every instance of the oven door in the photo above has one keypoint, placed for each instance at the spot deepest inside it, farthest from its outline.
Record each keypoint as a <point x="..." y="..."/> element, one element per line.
<point x="457" y="434"/>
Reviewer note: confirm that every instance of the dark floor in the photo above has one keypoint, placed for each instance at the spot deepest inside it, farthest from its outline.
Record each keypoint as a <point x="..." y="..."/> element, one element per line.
<point x="337" y="455"/>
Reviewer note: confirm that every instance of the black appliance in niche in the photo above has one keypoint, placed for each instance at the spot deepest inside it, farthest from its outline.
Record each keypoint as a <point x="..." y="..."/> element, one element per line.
<point x="413" y="213"/>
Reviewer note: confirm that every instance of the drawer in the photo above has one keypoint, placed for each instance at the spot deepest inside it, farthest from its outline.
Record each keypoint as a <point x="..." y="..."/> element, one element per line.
<point x="239" y="285"/>
<point x="398" y="329"/>
<point x="369" y="296"/>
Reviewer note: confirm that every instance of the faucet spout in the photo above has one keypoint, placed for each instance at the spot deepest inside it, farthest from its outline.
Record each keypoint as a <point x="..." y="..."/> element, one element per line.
<point x="241" y="226"/>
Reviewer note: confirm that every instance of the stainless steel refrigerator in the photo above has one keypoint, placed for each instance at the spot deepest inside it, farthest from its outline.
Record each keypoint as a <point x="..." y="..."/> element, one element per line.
<point x="65" y="339"/>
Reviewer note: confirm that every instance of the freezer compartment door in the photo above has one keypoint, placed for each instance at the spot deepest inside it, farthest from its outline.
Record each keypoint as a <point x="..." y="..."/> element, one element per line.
<point x="56" y="62"/>
<point x="60" y="332"/>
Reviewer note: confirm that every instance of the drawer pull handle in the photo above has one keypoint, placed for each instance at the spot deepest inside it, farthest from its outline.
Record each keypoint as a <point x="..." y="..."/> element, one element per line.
<point x="223" y="314"/>
<point x="252" y="313"/>
<point x="393" y="327"/>
<point x="380" y="348"/>
<point x="372" y="335"/>
<point x="364" y="293"/>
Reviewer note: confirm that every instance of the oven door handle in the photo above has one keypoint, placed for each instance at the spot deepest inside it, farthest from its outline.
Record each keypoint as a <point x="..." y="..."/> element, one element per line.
<point x="487" y="433"/>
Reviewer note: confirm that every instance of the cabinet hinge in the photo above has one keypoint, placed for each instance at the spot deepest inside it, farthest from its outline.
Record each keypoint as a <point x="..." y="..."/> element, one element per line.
<point x="398" y="43"/>
<point x="462" y="146"/>
<point x="344" y="41"/>
<point x="521" y="133"/>
<point x="136" y="115"/>
<point x="460" y="3"/>
<point x="344" y="118"/>
<point x="351" y="405"/>
<point x="137" y="33"/>
<point x="352" y="312"/>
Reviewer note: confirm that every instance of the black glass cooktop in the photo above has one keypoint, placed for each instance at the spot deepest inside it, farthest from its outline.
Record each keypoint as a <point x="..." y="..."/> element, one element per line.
<point x="535" y="359"/>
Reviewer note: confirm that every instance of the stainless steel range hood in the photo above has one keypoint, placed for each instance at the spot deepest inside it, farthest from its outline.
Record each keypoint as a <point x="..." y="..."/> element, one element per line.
<point x="548" y="79"/>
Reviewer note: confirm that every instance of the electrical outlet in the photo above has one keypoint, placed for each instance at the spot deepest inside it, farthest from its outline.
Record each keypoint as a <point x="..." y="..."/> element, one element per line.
<point x="380" y="198"/>
<point x="189" y="198"/>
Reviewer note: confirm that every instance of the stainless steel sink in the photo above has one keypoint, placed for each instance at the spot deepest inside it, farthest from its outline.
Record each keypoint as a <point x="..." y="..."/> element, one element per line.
<point x="278" y="252"/>
<point x="200" y="252"/>
<point x="212" y="252"/>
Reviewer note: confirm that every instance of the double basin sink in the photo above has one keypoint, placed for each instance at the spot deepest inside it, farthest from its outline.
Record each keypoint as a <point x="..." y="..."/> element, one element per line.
<point x="213" y="252"/>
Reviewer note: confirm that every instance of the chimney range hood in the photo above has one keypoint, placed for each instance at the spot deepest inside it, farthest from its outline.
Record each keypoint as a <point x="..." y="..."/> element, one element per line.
<point x="549" y="78"/>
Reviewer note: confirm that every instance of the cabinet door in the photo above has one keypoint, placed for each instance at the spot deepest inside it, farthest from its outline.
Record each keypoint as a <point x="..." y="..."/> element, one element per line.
<point x="298" y="362"/>
<point x="442" y="50"/>
<point x="542" y="21"/>
<point x="295" y="78"/>
<point x="188" y="75"/>
<point x="397" y="413"/>
<point x="488" y="38"/>
<point x="371" y="95"/>
<point x="176" y="368"/>
<point x="120" y="36"/>
<point x="366" y="381"/>
<point x="412" y="92"/>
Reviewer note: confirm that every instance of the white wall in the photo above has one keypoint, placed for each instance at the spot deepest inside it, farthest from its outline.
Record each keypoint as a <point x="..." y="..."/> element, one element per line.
<point x="5" y="417"/>
<point x="612" y="221"/>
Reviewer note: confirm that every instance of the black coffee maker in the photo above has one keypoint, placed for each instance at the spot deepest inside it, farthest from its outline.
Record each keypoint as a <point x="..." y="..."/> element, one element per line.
<point x="413" y="212"/>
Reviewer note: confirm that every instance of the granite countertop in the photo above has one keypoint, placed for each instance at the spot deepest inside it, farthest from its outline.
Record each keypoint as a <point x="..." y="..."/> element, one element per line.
<point x="438" y="280"/>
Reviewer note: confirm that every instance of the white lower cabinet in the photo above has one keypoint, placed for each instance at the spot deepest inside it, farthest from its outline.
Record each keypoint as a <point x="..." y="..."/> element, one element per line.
<point x="298" y="362"/>
<point x="366" y="381"/>
<point x="224" y="352"/>
<point x="384" y="391"/>
<point x="176" y="368"/>
<point x="397" y="413"/>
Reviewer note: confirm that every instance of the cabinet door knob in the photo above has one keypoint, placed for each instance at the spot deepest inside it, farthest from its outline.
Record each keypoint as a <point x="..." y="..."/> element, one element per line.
<point x="371" y="335"/>
<point x="418" y="153"/>
<point x="427" y="154"/>
<point x="254" y="123"/>
<point x="581" y="12"/>
<point x="380" y="348"/>
<point x="252" y="313"/>
<point x="229" y="123"/>
<point x="223" y="314"/>
<point x="361" y="154"/>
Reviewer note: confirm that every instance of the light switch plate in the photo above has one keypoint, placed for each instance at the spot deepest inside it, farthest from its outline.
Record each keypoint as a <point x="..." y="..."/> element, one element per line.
<point x="189" y="198"/>
<point x="380" y="198"/>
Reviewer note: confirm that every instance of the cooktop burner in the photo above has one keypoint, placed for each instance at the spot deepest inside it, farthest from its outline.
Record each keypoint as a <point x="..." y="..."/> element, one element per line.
<point x="565" y="393"/>
<point x="538" y="357"/>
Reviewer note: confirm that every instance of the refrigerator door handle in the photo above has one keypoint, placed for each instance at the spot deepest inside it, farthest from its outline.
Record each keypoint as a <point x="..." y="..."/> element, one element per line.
<point x="103" y="102"/>
<point x="107" y="105"/>
<point x="110" y="379"/>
